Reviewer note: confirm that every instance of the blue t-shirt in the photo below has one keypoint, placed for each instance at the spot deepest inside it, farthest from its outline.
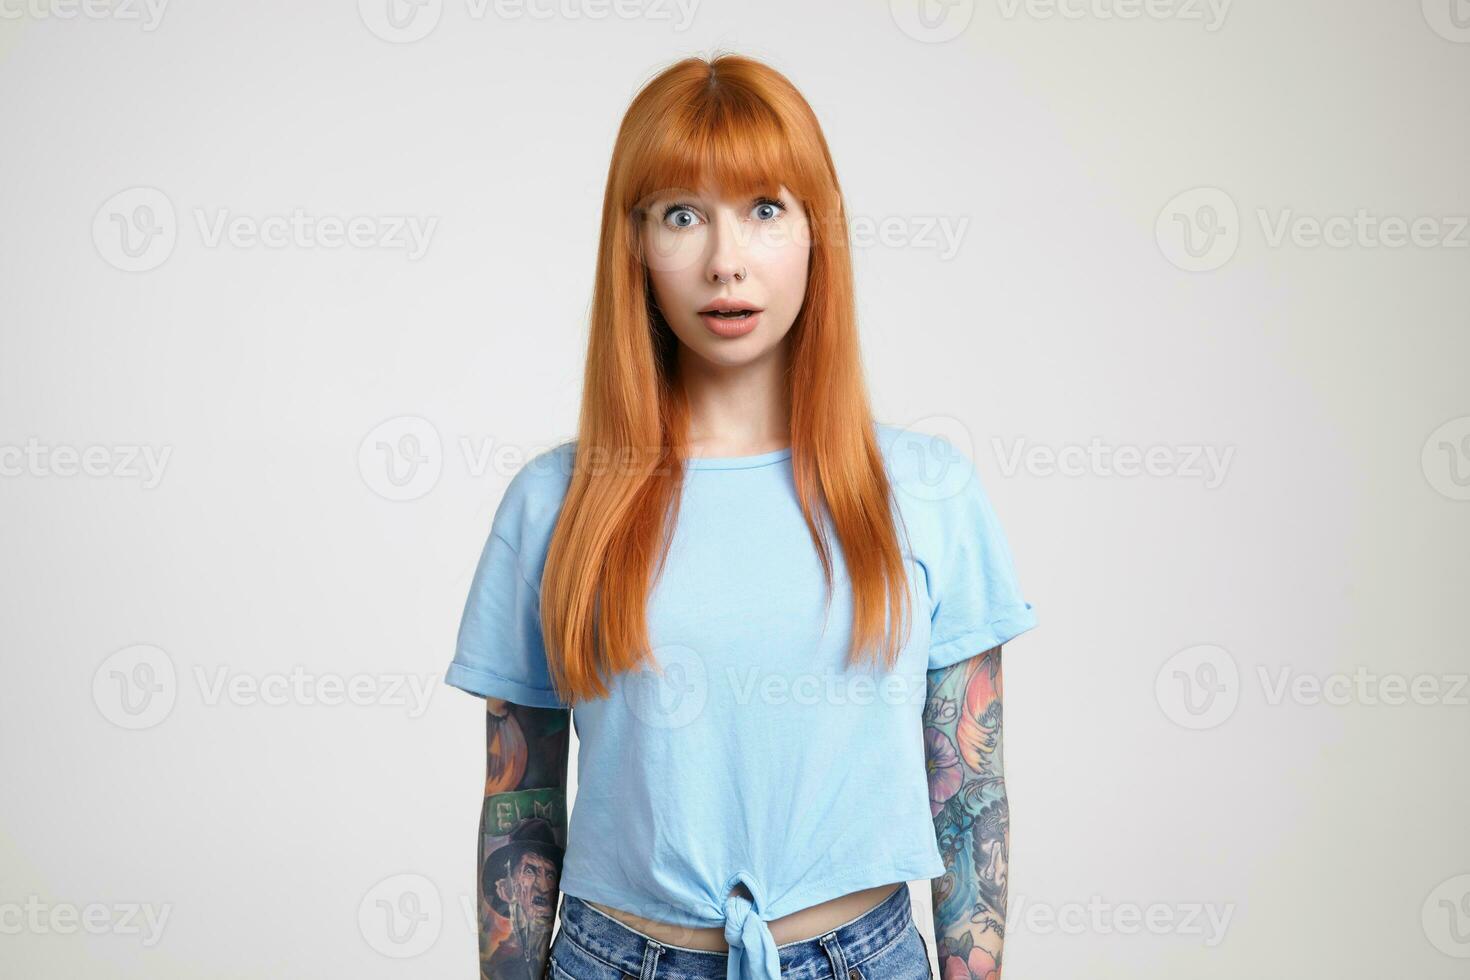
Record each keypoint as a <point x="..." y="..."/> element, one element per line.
<point x="757" y="756"/>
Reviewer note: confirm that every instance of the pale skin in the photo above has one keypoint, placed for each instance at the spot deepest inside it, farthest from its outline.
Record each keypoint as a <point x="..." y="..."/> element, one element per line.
<point x="700" y="246"/>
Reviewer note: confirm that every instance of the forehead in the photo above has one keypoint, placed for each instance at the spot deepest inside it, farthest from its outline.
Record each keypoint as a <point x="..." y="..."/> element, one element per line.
<point x="533" y="858"/>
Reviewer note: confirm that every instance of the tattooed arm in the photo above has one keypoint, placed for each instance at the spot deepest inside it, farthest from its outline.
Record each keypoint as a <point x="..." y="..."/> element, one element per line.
<point x="967" y="793"/>
<point x="523" y="833"/>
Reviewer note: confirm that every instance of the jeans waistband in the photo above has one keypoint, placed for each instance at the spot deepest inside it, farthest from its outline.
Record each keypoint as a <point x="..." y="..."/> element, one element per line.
<point x="817" y="958"/>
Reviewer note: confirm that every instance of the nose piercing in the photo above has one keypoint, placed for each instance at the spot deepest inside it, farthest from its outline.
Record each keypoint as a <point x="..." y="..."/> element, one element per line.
<point x="738" y="275"/>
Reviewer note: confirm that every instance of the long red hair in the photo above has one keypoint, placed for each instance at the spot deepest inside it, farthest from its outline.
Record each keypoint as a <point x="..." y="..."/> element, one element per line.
<point x="745" y="128"/>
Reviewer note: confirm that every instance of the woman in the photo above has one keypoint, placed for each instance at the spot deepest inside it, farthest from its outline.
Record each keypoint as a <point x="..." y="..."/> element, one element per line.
<point x="722" y="573"/>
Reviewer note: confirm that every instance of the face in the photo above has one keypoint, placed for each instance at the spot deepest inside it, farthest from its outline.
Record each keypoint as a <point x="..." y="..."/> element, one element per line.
<point x="531" y="888"/>
<point x="705" y="251"/>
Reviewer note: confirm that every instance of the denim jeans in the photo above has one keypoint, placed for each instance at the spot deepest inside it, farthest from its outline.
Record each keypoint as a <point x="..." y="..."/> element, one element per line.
<point x="881" y="944"/>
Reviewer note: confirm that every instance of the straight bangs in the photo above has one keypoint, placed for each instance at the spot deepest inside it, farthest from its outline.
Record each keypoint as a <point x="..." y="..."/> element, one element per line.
<point x="736" y="146"/>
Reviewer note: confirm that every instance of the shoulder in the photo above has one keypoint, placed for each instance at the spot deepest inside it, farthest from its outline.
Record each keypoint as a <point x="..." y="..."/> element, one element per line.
<point x="528" y="510"/>
<point x="923" y="465"/>
<point x="937" y="491"/>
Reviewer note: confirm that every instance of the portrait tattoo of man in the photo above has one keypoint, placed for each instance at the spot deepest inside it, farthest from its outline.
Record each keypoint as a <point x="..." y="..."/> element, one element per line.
<point x="522" y="837"/>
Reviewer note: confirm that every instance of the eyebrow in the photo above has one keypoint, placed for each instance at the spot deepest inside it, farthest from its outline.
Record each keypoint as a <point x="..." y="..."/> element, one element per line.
<point x="693" y="197"/>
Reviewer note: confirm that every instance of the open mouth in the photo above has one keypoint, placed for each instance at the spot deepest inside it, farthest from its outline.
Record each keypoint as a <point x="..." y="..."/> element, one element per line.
<point x="729" y="309"/>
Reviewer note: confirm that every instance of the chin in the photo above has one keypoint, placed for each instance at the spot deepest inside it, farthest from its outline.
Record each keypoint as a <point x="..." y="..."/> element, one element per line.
<point x="727" y="352"/>
<point x="733" y="353"/>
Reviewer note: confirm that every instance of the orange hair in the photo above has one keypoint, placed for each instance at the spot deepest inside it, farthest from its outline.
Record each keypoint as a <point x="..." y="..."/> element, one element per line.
<point x="746" y="128"/>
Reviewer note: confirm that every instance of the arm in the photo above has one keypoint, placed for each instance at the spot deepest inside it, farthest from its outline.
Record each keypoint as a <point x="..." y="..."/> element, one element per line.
<point x="523" y="833"/>
<point x="967" y="793"/>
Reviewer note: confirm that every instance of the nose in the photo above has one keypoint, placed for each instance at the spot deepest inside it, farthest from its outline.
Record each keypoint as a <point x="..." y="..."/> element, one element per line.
<point x="726" y="254"/>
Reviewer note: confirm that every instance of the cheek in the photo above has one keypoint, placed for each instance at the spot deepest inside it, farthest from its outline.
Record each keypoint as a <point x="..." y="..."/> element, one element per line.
<point x="784" y="269"/>
<point x="672" y="255"/>
<point x="671" y="289"/>
<point x="674" y="268"/>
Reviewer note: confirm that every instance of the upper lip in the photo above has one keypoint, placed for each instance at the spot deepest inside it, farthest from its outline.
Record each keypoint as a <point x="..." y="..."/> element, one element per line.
<point x="726" y="305"/>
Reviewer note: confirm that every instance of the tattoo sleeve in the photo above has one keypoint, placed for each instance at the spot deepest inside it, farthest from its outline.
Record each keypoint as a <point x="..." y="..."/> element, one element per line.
<point x="967" y="797"/>
<point x="523" y="833"/>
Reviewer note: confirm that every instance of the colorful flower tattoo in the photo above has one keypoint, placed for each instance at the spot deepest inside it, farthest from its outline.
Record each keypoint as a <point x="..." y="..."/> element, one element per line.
<point x="967" y="798"/>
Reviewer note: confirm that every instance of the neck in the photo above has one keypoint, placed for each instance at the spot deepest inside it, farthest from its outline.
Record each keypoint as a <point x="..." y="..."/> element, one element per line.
<point x="737" y="410"/>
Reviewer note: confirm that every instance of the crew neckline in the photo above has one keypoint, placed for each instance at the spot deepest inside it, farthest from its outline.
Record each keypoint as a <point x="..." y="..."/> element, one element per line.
<point x="737" y="462"/>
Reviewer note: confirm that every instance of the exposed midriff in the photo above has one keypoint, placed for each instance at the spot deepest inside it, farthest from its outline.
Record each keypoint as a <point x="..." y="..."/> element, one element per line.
<point x="806" y="923"/>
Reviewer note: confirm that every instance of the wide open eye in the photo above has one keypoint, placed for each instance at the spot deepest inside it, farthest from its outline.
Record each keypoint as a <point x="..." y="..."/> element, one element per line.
<point x="683" y="216"/>
<point x="768" y="209"/>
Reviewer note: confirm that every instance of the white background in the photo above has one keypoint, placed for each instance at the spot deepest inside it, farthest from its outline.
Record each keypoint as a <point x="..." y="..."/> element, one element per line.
<point x="278" y="535"/>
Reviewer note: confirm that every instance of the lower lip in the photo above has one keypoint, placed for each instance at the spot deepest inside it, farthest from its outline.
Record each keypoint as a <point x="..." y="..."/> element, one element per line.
<point x="721" y="327"/>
